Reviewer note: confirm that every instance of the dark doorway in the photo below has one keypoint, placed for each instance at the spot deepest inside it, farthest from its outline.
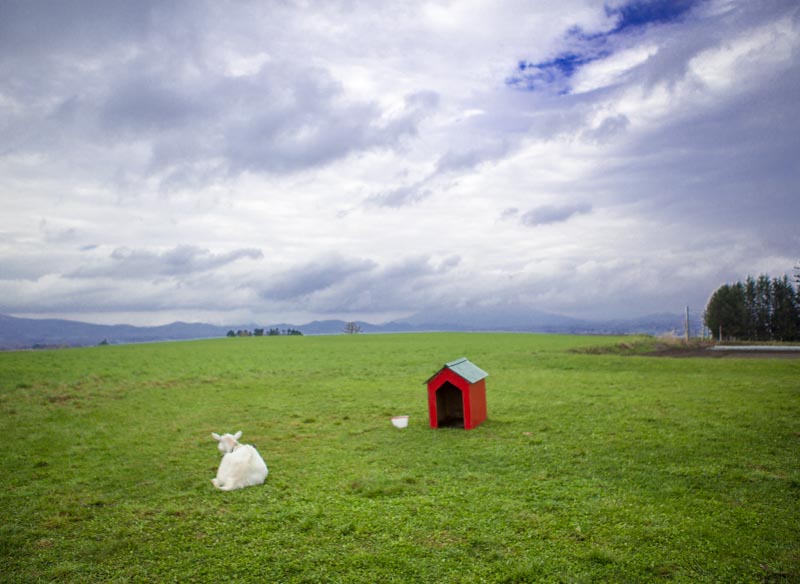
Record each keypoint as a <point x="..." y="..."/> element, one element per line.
<point x="449" y="406"/>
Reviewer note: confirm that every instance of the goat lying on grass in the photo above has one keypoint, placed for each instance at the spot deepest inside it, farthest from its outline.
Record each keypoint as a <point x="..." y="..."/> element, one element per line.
<point x="241" y="466"/>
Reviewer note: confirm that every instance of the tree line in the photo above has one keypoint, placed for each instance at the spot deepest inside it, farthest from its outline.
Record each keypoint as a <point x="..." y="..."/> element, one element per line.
<point x="758" y="309"/>
<point x="260" y="332"/>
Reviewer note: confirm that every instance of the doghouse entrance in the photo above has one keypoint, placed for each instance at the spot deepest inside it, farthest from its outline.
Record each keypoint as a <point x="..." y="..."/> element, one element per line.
<point x="449" y="406"/>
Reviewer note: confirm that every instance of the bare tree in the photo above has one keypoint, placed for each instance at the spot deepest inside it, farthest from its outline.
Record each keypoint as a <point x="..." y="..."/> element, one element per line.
<point x="352" y="328"/>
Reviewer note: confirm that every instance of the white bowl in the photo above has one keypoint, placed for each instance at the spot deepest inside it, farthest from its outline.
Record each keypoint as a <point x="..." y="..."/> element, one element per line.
<point x="400" y="421"/>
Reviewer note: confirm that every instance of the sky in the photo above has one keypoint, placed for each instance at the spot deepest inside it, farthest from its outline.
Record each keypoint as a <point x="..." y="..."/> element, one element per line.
<point x="285" y="161"/>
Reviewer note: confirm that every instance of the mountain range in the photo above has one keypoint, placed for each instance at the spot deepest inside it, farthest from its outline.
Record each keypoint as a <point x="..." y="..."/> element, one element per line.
<point x="25" y="333"/>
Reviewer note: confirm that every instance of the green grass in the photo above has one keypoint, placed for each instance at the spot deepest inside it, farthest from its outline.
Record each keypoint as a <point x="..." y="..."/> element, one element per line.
<point x="591" y="467"/>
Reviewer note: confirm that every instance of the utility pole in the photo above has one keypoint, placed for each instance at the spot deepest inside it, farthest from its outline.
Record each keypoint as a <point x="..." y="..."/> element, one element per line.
<point x="686" y="327"/>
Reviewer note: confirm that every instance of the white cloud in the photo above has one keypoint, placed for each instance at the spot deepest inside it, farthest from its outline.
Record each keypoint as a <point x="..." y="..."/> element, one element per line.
<point x="749" y="58"/>
<point x="611" y="70"/>
<point x="125" y="263"/>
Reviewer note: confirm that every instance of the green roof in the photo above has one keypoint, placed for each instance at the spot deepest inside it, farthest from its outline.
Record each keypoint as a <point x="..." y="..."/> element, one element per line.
<point x="464" y="368"/>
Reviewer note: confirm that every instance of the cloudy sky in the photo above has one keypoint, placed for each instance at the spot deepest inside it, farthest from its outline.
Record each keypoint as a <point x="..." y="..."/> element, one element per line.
<point x="269" y="161"/>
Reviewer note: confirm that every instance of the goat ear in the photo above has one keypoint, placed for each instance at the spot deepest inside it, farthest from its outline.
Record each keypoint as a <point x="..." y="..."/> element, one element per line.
<point x="237" y="435"/>
<point x="216" y="436"/>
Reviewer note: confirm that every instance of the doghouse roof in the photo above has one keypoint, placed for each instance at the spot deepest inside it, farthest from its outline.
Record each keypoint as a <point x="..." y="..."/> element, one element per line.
<point x="465" y="368"/>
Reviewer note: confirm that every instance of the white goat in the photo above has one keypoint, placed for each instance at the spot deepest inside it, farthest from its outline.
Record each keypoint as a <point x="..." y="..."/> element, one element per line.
<point x="241" y="465"/>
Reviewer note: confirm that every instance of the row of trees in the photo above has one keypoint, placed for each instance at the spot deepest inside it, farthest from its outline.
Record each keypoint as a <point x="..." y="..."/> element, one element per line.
<point x="758" y="309"/>
<point x="260" y="332"/>
<point x="350" y="328"/>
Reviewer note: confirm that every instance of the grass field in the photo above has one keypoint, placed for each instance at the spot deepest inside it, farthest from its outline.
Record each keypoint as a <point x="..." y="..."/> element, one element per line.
<point x="591" y="467"/>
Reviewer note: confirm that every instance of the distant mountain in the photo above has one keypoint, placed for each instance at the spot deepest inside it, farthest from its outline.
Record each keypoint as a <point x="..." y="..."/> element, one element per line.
<point x="652" y="324"/>
<point x="336" y="327"/>
<point x="30" y="332"/>
<point x="23" y="333"/>
<point x="507" y="317"/>
<point x="516" y="318"/>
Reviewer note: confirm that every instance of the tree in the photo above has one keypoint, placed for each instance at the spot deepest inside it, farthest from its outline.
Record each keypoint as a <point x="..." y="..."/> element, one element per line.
<point x="726" y="312"/>
<point x="761" y="309"/>
<point x="750" y="301"/>
<point x="231" y="334"/>
<point x="785" y="317"/>
<point x="352" y="328"/>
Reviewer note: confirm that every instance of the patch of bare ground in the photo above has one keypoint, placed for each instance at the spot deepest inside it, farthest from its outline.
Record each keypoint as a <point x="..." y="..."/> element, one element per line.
<point x="754" y="352"/>
<point x="695" y="348"/>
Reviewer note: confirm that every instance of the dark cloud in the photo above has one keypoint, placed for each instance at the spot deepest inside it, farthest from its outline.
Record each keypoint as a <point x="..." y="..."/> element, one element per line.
<point x="316" y="276"/>
<point x="338" y="284"/>
<point x="459" y="158"/>
<point x="149" y="105"/>
<point x="468" y="156"/>
<point x="308" y="123"/>
<point x="732" y="166"/>
<point x="161" y="92"/>
<point x="27" y="265"/>
<point x="418" y="266"/>
<point x="609" y="128"/>
<point x="549" y="214"/>
<point x="114" y="295"/>
<point x="400" y="196"/>
<point x="40" y="28"/>
<point x="407" y="284"/>
<point x="125" y="263"/>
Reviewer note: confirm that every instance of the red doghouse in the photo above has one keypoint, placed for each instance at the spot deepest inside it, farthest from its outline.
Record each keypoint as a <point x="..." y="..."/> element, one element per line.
<point x="457" y="395"/>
